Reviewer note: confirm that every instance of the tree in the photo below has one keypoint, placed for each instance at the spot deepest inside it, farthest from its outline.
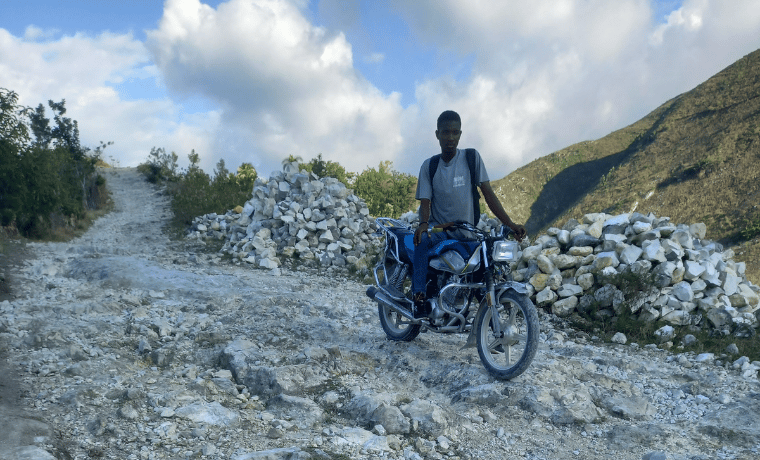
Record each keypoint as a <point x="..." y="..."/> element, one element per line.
<point x="323" y="168"/>
<point x="52" y="175"/>
<point x="246" y="172"/>
<point x="387" y="192"/>
<point x="40" y="125"/>
<point x="13" y="129"/>
<point x="221" y="173"/>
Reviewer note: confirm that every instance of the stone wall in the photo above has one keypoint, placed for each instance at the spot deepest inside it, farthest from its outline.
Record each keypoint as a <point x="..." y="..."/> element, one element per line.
<point x="694" y="281"/>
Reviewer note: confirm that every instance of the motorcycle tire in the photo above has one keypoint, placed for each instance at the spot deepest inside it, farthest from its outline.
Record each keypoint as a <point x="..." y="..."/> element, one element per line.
<point x="396" y="326"/>
<point x="508" y="356"/>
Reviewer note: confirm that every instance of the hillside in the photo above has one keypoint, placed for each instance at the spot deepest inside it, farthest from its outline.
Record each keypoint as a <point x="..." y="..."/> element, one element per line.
<point x="693" y="159"/>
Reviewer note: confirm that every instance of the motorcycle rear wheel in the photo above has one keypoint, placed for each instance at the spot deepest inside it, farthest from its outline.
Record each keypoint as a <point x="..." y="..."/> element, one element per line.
<point x="508" y="355"/>
<point x="396" y="326"/>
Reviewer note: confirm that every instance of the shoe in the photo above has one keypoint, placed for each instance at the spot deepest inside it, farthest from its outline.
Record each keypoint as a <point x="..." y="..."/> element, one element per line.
<point x="421" y="307"/>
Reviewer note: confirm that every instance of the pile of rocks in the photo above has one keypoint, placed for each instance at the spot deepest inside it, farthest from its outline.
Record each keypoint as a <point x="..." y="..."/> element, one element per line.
<point x="693" y="281"/>
<point x="294" y="214"/>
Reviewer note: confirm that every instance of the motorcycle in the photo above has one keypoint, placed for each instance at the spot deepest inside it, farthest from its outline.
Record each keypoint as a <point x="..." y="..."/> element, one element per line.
<point x="470" y="290"/>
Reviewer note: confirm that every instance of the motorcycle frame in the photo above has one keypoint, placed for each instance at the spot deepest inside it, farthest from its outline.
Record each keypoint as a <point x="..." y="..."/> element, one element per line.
<point x="391" y="248"/>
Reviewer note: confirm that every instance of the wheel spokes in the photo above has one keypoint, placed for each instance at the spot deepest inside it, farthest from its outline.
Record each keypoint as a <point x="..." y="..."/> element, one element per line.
<point x="508" y="343"/>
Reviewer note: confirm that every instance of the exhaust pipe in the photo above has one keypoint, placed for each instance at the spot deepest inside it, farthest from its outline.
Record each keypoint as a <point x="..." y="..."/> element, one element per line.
<point x="381" y="298"/>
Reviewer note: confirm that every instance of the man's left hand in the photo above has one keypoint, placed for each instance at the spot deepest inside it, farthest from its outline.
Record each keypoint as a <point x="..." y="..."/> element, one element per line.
<point x="519" y="231"/>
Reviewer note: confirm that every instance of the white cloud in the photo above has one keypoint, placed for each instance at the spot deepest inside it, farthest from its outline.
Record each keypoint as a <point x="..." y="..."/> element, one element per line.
<point x="375" y="58"/>
<point x="286" y="85"/>
<point x="551" y="73"/>
<point x="82" y="70"/>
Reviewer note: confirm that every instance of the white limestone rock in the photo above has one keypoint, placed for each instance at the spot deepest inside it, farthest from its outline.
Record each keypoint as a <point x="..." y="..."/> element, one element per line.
<point x="565" y="307"/>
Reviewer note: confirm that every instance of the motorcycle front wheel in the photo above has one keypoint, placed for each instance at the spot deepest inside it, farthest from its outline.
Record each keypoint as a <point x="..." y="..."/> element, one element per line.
<point x="507" y="354"/>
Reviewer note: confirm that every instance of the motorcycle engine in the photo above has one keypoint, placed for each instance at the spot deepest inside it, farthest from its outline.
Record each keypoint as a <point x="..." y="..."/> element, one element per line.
<point x="454" y="299"/>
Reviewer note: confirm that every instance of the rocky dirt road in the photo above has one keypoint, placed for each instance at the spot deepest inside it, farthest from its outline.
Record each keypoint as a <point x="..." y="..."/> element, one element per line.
<point x="123" y="344"/>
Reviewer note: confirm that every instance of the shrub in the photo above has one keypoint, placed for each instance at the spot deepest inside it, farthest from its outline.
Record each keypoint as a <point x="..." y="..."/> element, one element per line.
<point x="193" y="192"/>
<point x="387" y="192"/>
<point x="49" y="179"/>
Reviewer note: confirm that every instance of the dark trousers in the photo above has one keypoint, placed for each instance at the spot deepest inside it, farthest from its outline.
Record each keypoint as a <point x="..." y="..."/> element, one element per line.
<point x="422" y="258"/>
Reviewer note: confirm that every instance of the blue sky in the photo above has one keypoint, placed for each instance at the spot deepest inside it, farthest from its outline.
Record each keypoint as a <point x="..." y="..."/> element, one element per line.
<point x="361" y="81"/>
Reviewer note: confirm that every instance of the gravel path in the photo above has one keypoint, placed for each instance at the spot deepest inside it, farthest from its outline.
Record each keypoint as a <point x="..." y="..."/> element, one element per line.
<point x="127" y="345"/>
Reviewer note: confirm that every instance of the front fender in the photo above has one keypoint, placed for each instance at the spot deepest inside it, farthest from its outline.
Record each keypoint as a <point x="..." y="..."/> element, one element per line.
<point x="501" y="288"/>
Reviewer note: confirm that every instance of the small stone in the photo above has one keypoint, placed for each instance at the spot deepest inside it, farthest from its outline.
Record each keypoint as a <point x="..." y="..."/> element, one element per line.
<point x="619" y="337"/>
<point x="664" y="334"/>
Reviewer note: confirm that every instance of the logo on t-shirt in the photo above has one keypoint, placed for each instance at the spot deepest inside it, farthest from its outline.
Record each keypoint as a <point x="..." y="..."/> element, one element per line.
<point x="458" y="181"/>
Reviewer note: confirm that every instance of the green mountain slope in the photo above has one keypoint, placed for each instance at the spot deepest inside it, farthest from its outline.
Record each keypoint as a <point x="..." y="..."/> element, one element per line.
<point x="696" y="158"/>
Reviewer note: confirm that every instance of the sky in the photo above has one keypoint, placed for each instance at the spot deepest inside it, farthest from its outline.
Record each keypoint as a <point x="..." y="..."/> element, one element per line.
<point x="361" y="81"/>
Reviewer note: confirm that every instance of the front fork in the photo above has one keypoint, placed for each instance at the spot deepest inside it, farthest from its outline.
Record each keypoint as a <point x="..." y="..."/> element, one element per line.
<point x="491" y="302"/>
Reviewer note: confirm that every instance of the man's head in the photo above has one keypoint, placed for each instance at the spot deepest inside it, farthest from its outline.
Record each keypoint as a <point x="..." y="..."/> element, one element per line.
<point x="448" y="132"/>
<point x="448" y="115"/>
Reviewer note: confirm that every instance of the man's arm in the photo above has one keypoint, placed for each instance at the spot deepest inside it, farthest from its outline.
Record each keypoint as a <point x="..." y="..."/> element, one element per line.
<point x="495" y="206"/>
<point x="424" y="219"/>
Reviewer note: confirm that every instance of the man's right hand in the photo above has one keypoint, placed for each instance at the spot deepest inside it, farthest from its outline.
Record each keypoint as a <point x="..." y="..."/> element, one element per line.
<point x="445" y="226"/>
<point x="418" y="233"/>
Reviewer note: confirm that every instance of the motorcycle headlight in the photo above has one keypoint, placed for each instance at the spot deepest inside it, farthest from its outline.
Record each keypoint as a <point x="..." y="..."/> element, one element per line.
<point x="505" y="251"/>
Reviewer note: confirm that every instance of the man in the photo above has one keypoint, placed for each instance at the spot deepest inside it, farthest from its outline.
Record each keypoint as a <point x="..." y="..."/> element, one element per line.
<point x="449" y="198"/>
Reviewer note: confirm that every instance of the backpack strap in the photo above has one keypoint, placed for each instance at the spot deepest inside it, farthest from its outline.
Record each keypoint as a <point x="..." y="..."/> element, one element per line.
<point x="474" y="182"/>
<point x="433" y="167"/>
<point x="470" y="154"/>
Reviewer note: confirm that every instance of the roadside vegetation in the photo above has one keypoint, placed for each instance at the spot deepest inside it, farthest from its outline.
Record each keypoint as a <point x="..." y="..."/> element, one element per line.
<point x="49" y="183"/>
<point x="50" y="188"/>
<point x="194" y="192"/>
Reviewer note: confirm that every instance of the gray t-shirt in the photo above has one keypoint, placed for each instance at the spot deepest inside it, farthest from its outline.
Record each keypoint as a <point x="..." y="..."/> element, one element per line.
<point x="451" y="191"/>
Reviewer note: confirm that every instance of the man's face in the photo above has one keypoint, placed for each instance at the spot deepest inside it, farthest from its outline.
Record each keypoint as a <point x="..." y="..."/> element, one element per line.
<point x="448" y="136"/>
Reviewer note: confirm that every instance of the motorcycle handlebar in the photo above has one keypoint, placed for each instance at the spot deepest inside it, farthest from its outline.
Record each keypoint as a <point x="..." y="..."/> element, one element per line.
<point x="503" y="233"/>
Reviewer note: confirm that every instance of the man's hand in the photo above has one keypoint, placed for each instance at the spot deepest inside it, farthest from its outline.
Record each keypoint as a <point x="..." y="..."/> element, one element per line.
<point x="423" y="227"/>
<point x="519" y="231"/>
<point x="445" y="226"/>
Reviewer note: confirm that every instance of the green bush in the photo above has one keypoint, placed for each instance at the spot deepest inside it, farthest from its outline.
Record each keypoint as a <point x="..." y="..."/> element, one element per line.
<point x="48" y="178"/>
<point x="193" y="192"/>
<point x="387" y="192"/>
<point x="160" y="167"/>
